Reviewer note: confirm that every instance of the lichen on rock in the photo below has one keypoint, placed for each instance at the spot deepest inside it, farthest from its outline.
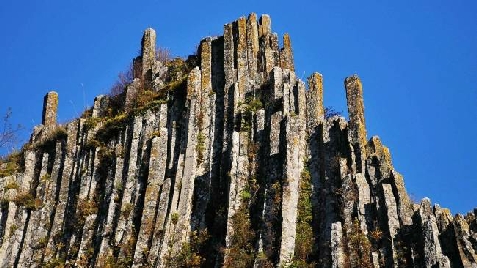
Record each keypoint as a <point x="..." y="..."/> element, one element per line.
<point x="225" y="159"/>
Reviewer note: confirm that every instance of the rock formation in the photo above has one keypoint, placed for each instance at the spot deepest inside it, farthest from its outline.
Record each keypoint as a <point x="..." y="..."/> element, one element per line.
<point x="226" y="159"/>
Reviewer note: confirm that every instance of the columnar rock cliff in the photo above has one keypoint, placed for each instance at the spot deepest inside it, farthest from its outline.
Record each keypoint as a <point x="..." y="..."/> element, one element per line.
<point x="224" y="159"/>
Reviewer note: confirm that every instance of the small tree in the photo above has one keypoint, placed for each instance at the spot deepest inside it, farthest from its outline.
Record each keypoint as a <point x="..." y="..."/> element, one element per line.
<point x="8" y="133"/>
<point x="163" y="54"/>
<point x="330" y="112"/>
<point x="124" y="78"/>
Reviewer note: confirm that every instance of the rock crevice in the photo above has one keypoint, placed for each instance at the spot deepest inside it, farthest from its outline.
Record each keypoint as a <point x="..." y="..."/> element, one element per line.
<point x="227" y="159"/>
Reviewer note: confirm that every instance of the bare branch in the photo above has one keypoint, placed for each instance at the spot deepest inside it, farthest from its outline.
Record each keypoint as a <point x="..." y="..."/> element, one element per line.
<point x="124" y="79"/>
<point x="163" y="55"/>
<point x="8" y="133"/>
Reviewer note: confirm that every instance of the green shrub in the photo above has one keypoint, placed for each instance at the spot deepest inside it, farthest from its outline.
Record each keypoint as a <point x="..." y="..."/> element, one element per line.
<point x="174" y="218"/>
<point x="176" y="70"/>
<point x="200" y="148"/>
<point x="13" y="229"/>
<point x="85" y="209"/>
<point x="55" y="263"/>
<point x="90" y="123"/>
<point x="241" y="252"/>
<point x="112" y="127"/>
<point x="48" y="143"/>
<point x="11" y="164"/>
<point x="27" y="200"/>
<point x="245" y="194"/>
<point x="127" y="209"/>
<point x="304" y="232"/>
<point x="359" y="247"/>
<point x="46" y="177"/>
<point x="11" y="185"/>
<point x="189" y="254"/>
<point x="42" y="242"/>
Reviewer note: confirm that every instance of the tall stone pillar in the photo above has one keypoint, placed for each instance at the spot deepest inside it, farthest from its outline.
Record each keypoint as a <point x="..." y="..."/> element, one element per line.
<point x="356" y="126"/>
<point x="242" y="66"/>
<point x="252" y="45"/>
<point x="314" y="100"/>
<point x="206" y="64"/>
<point x="286" y="54"/>
<point x="265" y="25"/>
<point x="100" y="106"/>
<point x="148" y="56"/>
<point x="50" y="109"/>
<point x="354" y="96"/>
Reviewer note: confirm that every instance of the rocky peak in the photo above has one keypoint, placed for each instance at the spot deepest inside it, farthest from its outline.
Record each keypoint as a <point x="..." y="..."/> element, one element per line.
<point x="225" y="159"/>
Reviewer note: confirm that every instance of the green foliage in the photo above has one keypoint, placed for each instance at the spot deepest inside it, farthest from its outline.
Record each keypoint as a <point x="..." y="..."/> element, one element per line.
<point x="55" y="263"/>
<point x="304" y="232"/>
<point x="85" y="209"/>
<point x="46" y="177"/>
<point x="154" y="105"/>
<point x="127" y="209"/>
<point x="11" y="164"/>
<point x="112" y="127"/>
<point x="108" y="262"/>
<point x="49" y="142"/>
<point x="42" y="242"/>
<point x="27" y="200"/>
<point x="174" y="218"/>
<point x="200" y="147"/>
<point x="116" y="117"/>
<point x="91" y="122"/>
<point x="359" y="247"/>
<point x="13" y="229"/>
<point x="262" y="261"/>
<point x="176" y="69"/>
<point x="8" y="169"/>
<point x="128" y="249"/>
<point x="92" y="144"/>
<point x="11" y="185"/>
<point x="156" y="133"/>
<point x="118" y="186"/>
<point x="86" y="257"/>
<point x="146" y="100"/>
<point x="116" y="104"/>
<point x="173" y="86"/>
<point x="189" y="254"/>
<point x="245" y="194"/>
<point x="241" y="252"/>
<point x="106" y="158"/>
<point x="249" y="107"/>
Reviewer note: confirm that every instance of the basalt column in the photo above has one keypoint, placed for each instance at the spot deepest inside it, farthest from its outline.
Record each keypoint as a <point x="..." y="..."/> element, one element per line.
<point x="50" y="108"/>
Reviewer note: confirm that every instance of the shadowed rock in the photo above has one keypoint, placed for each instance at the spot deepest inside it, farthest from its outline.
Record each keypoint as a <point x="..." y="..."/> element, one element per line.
<point x="233" y="164"/>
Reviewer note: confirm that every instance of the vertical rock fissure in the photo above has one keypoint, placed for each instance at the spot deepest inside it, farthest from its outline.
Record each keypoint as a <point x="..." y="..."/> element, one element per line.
<point x="223" y="159"/>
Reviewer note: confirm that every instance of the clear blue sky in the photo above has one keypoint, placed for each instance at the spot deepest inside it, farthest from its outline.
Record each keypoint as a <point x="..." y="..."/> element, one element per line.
<point x="417" y="61"/>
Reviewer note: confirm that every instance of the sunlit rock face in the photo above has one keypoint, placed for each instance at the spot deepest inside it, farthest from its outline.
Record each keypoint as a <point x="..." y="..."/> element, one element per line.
<point x="226" y="159"/>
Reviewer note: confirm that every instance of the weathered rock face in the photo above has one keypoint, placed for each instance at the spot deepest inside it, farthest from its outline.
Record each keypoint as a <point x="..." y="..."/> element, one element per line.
<point x="234" y="164"/>
<point x="50" y="107"/>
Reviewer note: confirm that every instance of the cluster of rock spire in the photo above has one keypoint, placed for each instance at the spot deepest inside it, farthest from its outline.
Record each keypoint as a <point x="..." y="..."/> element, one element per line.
<point x="234" y="148"/>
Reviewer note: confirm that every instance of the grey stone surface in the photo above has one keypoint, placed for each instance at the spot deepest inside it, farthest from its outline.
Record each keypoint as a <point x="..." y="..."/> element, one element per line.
<point x="226" y="149"/>
<point x="50" y="109"/>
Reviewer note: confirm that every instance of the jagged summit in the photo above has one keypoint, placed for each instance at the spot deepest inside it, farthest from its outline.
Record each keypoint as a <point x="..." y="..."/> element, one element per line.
<point x="223" y="159"/>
